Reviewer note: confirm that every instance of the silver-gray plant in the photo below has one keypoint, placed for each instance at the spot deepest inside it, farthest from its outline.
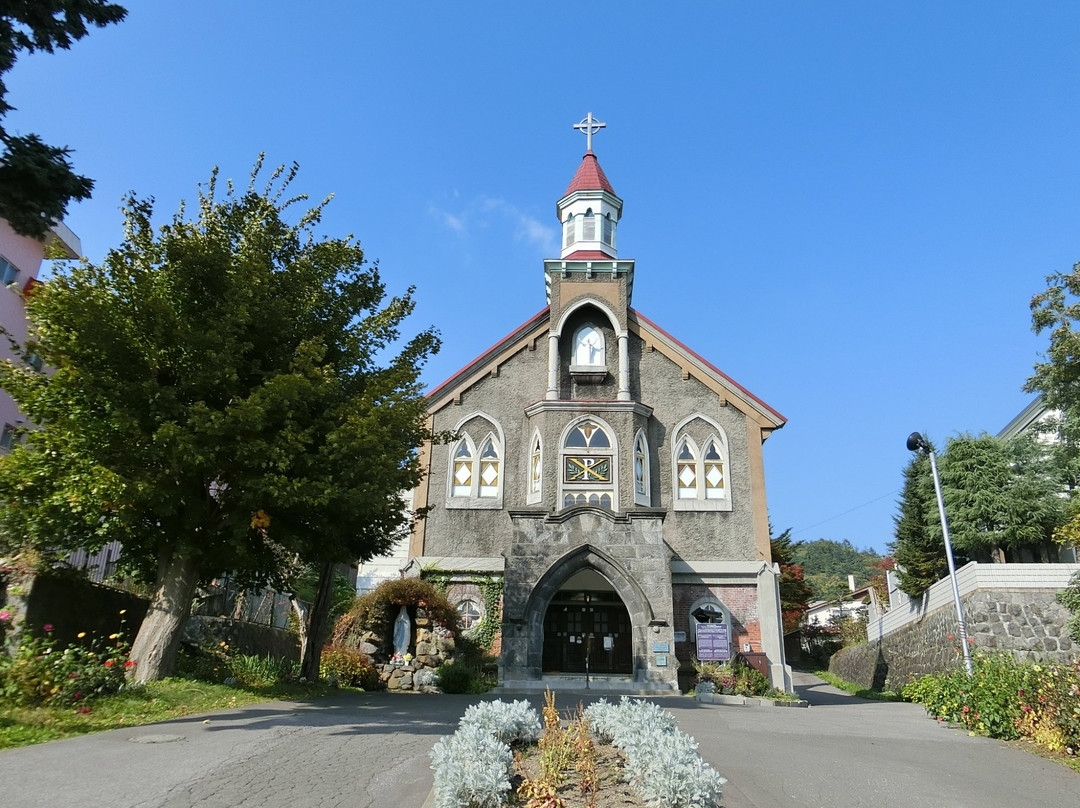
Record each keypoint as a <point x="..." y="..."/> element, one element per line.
<point x="472" y="769"/>
<point x="512" y="723"/>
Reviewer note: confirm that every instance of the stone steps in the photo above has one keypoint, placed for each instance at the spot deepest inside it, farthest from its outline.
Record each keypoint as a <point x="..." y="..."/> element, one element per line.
<point x="597" y="684"/>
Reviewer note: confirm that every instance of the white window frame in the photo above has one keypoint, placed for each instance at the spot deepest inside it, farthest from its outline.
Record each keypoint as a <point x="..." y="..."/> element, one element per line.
<point x="611" y="451"/>
<point x="535" y="491"/>
<point x="642" y="481"/>
<point x="9" y="273"/>
<point x="479" y="496"/>
<point x="704" y="497"/>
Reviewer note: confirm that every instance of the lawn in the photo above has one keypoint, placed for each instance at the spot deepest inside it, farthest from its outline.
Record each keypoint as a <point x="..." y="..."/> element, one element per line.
<point x="156" y="701"/>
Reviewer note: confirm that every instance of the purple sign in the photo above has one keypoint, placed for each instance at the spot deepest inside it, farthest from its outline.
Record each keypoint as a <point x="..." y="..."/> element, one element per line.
<point x="713" y="641"/>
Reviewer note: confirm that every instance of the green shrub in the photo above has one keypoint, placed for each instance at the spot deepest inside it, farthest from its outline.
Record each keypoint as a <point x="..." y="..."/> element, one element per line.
<point x="352" y="668"/>
<point x="251" y="670"/>
<point x="735" y="678"/>
<point x="458" y="677"/>
<point x="1070" y="599"/>
<point x="43" y="673"/>
<point x="987" y="702"/>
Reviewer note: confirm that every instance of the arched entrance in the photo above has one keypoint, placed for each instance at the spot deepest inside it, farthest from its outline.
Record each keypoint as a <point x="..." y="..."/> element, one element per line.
<point x="587" y="626"/>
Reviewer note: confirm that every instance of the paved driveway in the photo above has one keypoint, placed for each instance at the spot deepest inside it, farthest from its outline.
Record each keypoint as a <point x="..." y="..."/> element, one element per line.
<point x="370" y="751"/>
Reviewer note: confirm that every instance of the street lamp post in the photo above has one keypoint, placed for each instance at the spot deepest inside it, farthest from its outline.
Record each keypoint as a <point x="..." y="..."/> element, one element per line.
<point x="917" y="443"/>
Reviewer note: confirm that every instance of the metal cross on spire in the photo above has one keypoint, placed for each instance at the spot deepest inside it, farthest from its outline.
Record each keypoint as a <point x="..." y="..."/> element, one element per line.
<point x="590" y="126"/>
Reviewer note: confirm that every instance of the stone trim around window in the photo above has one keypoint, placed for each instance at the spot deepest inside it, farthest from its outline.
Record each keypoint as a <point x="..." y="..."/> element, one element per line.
<point x="701" y="477"/>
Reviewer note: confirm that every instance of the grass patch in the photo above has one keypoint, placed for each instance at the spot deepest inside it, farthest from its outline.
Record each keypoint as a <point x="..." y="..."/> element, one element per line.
<point x="858" y="690"/>
<point x="156" y="701"/>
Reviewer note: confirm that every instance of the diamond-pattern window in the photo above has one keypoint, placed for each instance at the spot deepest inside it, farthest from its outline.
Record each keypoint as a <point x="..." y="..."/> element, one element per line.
<point x="476" y="473"/>
<point x="701" y="475"/>
<point x="714" y="472"/>
<point x="463" y="469"/>
<point x="489" y="469"/>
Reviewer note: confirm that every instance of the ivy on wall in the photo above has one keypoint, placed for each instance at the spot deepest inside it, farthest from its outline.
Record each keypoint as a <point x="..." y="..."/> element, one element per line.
<point x="491" y="590"/>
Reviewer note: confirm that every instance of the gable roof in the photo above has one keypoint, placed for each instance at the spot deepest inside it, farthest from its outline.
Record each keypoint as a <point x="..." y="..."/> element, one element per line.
<point x="655" y="338"/>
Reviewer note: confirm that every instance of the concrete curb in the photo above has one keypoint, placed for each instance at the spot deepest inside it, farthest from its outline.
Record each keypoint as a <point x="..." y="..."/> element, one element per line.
<point x="746" y="701"/>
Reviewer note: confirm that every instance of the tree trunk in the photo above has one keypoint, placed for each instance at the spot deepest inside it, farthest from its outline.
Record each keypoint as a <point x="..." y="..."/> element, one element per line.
<point x="301" y="622"/>
<point x="155" y="646"/>
<point x="320" y="610"/>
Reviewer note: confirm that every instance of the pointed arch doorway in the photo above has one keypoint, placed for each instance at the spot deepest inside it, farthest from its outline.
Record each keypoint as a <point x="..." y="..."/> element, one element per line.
<point x="587" y="621"/>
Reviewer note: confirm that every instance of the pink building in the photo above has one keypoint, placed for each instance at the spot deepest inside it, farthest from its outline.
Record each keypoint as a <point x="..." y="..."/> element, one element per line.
<point x="20" y="262"/>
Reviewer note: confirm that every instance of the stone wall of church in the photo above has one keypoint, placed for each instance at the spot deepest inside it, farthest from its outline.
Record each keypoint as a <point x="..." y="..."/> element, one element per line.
<point x="485" y="531"/>
<point x="697" y="534"/>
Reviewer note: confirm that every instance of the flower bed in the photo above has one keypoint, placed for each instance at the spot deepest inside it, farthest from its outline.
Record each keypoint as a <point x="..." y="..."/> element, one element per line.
<point x="628" y="753"/>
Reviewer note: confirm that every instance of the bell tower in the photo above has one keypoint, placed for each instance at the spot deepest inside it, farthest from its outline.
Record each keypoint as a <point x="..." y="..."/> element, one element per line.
<point x="588" y="270"/>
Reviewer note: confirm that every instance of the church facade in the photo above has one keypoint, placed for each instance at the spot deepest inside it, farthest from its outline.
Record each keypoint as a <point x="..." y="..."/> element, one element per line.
<point x="608" y="476"/>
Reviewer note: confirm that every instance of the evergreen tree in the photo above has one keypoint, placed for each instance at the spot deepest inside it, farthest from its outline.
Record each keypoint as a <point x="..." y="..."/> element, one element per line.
<point x="919" y="548"/>
<point x="999" y="495"/>
<point x="795" y="593"/>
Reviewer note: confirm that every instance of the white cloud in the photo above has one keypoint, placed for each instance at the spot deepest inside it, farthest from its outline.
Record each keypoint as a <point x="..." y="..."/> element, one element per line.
<point x="486" y="212"/>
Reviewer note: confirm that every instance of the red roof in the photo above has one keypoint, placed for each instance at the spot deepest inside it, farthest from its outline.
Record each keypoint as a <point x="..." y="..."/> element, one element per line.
<point x="589" y="177"/>
<point x="589" y="255"/>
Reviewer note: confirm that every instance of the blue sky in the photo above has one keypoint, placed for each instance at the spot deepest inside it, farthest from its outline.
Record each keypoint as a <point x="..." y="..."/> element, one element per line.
<point x="846" y="206"/>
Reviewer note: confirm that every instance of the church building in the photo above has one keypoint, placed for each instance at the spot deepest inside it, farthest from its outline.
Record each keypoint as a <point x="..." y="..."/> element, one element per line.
<point x="609" y="477"/>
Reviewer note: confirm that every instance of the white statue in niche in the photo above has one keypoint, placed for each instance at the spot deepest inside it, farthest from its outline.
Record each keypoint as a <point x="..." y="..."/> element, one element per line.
<point x="402" y="629"/>
<point x="589" y="348"/>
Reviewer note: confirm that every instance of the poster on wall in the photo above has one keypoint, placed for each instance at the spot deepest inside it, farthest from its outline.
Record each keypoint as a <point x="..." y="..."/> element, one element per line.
<point x="713" y="642"/>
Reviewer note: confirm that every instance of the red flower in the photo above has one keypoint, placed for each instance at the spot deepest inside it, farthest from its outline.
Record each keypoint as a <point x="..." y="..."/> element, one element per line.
<point x="108" y="663"/>
<point x="47" y="627"/>
<point x="130" y="663"/>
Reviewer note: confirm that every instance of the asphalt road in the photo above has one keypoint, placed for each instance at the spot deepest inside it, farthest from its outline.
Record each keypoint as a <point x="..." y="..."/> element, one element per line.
<point x="370" y="751"/>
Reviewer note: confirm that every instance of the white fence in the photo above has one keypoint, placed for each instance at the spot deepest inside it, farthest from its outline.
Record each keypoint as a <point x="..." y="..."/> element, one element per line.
<point x="970" y="577"/>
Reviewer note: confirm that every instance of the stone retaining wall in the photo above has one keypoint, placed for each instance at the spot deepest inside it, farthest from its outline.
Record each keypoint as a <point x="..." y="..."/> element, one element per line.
<point x="1028" y="624"/>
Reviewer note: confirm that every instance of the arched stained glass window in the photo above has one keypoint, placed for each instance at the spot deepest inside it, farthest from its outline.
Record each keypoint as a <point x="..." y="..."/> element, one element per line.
<point x="476" y="464"/>
<point x="588" y="466"/>
<point x="463" y="469"/>
<point x="489" y="468"/>
<point x="686" y="471"/>
<point x="536" y="469"/>
<point x="587" y="435"/>
<point x="701" y="475"/>
<point x="713" y="471"/>
<point x="641" y="469"/>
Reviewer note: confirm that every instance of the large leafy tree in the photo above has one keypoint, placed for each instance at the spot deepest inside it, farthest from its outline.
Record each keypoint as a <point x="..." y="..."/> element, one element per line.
<point x="1056" y="312"/>
<point x="229" y="392"/>
<point x="37" y="180"/>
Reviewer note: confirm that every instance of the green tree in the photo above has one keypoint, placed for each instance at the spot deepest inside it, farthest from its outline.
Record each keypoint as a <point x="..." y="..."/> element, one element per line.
<point x="37" y="180"/>
<point x="998" y="495"/>
<point x="1056" y="312"/>
<point x="226" y="396"/>
<point x="795" y="593"/>
<point x="919" y="548"/>
<point x="827" y="565"/>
